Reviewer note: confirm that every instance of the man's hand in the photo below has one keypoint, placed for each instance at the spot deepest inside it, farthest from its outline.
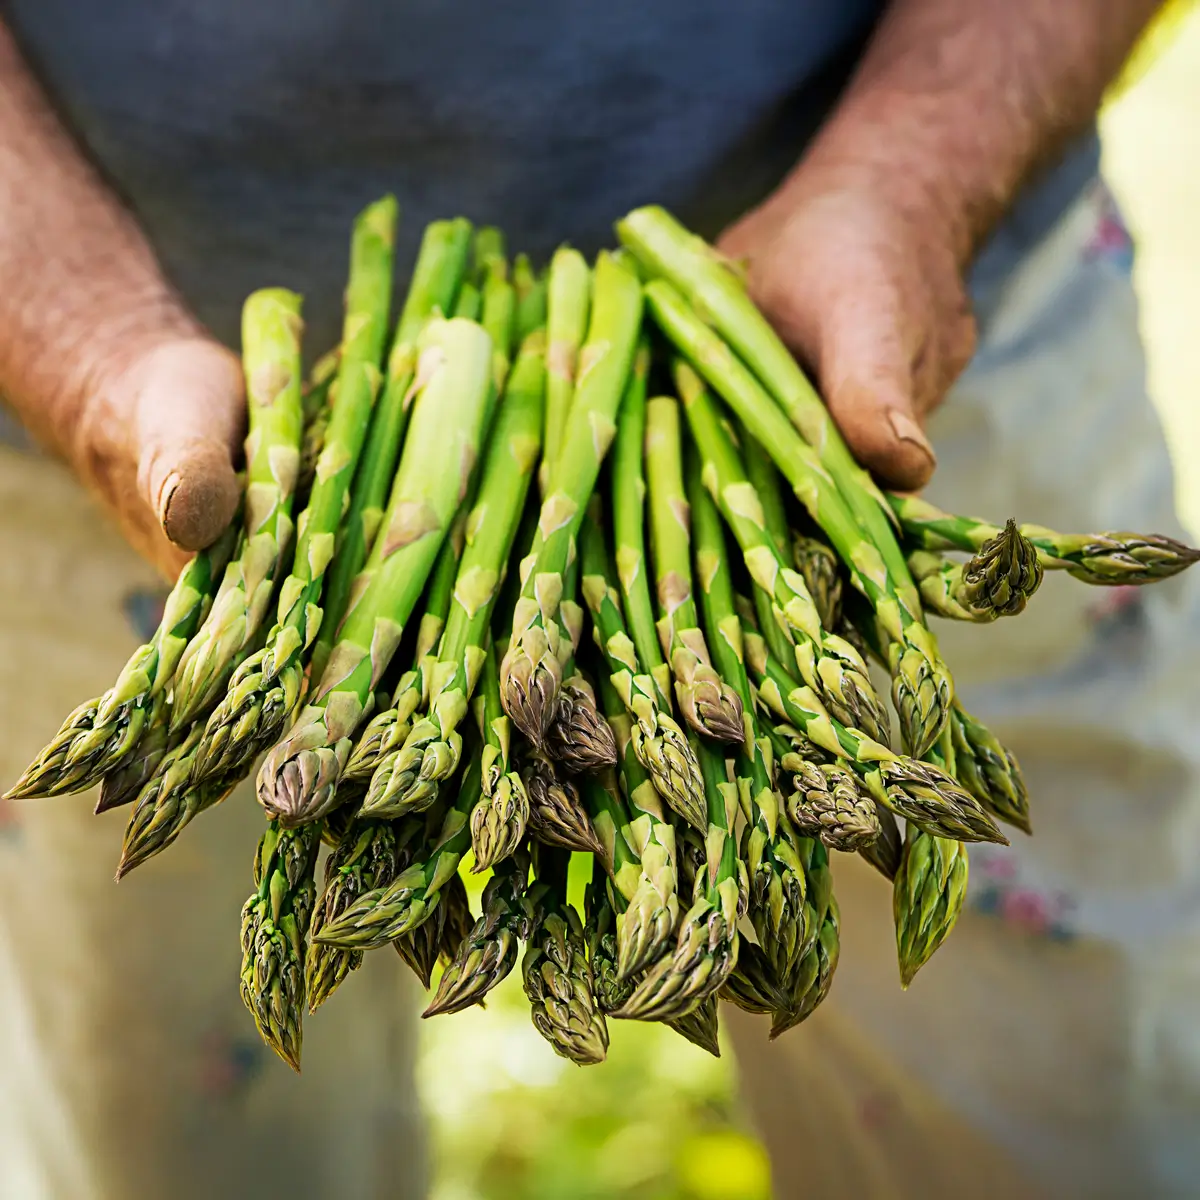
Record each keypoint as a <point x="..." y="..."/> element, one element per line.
<point x="859" y="258"/>
<point x="870" y="298"/>
<point x="97" y="354"/>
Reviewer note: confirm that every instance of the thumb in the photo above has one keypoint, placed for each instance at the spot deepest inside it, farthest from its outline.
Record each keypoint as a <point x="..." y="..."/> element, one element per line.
<point x="868" y="379"/>
<point x="189" y="418"/>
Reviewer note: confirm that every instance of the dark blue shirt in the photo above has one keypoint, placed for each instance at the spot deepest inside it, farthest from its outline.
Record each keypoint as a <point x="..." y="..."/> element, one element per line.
<point x="246" y="133"/>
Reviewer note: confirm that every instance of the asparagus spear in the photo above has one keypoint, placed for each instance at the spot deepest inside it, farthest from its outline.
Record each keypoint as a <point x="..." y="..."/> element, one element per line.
<point x="988" y="770"/>
<point x="557" y="816"/>
<point x="629" y="517"/>
<point x="436" y="278"/>
<point x="658" y="742"/>
<point x="499" y="819"/>
<point x="578" y="737"/>
<point x="381" y="915"/>
<point x="568" y="297"/>
<point x="929" y="888"/>
<point x="275" y="923"/>
<point x="814" y="975"/>
<point x="266" y="688"/>
<point x="710" y="706"/>
<point x="885" y="851"/>
<point x="530" y="292"/>
<point x="271" y="332"/>
<point x="600" y="925"/>
<point x="369" y="855"/>
<point x="556" y="973"/>
<point x="123" y="785"/>
<point x="752" y="984"/>
<point x="469" y="304"/>
<point x="421" y="946"/>
<point x="531" y="673"/>
<point x="769" y="849"/>
<point x="316" y="404"/>
<point x="646" y="924"/>
<point x="921" y="684"/>
<point x="996" y="582"/>
<point x="827" y="664"/>
<point x="431" y="751"/>
<point x="763" y="476"/>
<point x="700" y="1026"/>
<point x="821" y="568"/>
<point x="383" y="732"/>
<point x="917" y="791"/>
<point x="299" y="777"/>
<point x="489" y="951"/>
<point x="101" y="736"/>
<point x="666" y="248"/>
<point x="1102" y="559"/>
<point x="827" y="802"/>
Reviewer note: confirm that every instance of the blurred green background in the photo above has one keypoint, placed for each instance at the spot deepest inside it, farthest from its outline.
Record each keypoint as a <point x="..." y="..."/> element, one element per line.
<point x="661" y="1120"/>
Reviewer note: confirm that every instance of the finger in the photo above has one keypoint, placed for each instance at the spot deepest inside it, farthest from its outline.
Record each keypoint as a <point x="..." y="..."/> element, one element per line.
<point x="190" y="422"/>
<point x="865" y="358"/>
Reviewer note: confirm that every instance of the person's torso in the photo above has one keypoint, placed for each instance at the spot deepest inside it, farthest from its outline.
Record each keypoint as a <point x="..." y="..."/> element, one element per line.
<point x="247" y="134"/>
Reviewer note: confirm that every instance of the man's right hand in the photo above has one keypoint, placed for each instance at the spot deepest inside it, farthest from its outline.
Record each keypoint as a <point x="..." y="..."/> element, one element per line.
<point x="98" y="355"/>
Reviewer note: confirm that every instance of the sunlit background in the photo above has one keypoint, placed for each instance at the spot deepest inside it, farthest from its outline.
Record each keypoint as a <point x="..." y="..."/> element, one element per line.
<point x="662" y="1120"/>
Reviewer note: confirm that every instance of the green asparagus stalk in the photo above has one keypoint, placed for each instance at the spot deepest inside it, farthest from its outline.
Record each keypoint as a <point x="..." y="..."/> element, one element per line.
<point x="646" y="925"/>
<point x="666" y="248"/>
<point x="531" y="673"/>
<point x="490" y="949"/>
<point x="436" y="279"/>
<point x="629" y="520"/>
<point x="266" y="689"/>
<point x="917" y="791"/>
<point x="710" y="706"/>
<point x="500" y="818"/>
<point x="1102" y="559"/>
<point x="568" y="294"/>
<point x="557" y="816"/>
<point x="556" y="973"/>
<point x="885" y="851"/>
<point x="299" y="777"/>
<point x="386" y="730"/>
<point x="316" y="404"/>
<point x="601" y="926"/>
<point x="988" y="770"/>
<point x="821" y="568"/>
<point x="381" y="915"/>
<point x="752" y="984"/>
<point x="579" y="738"/>
<point x="530" y="290"/>
<point x="168" y="801"/>
<point x="826" y="663"/>
<point x="658" y="742"/>
<point x="770" y="851"/>
<point x="469" y="304"/>
<point x="431" y="752"/>
<point x="828" y="802"/>
<point x="997" y="582"/>
<point x="369" y="855"/>
<point x="922" y="688"/>
<point x="612" y="822"/>
<point x="122" y="786"/>
<point x="275" y="922"/>
<point x="271" y="333"/>
<point x="814" y="977"/>
<point x="450" y="922"/>
<point x="104" y="734"/>
<point x="929" y="888"/>
<point x="768" y="484"/>
<point x="700" y="1026"/>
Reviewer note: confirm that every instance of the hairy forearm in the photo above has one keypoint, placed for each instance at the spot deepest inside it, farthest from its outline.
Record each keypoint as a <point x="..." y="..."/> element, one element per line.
<point x="82" y="289"/>
<point x="958" y="102"/>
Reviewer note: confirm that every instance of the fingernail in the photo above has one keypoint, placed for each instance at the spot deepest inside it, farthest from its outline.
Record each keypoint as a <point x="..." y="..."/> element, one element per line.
<point x="907" y="430"/>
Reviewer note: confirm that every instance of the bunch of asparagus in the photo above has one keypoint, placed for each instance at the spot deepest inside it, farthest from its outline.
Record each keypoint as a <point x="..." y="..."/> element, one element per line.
<point x="579" y="566"/>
